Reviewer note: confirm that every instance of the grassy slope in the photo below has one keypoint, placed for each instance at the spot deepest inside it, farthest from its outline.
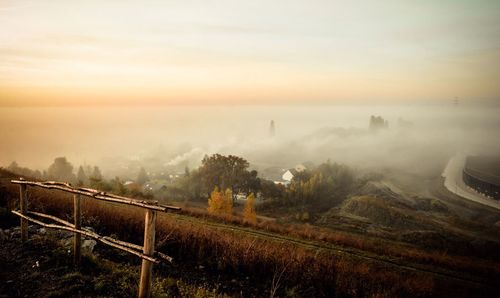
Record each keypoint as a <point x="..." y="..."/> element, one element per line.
<point x="318" y="267"/>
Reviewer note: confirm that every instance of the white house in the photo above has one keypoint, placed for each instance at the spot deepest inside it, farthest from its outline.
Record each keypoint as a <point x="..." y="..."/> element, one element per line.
<point x="288" y="175"/>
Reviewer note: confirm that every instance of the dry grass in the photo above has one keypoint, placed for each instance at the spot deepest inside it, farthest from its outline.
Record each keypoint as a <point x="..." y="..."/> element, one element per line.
<point x="377" y="246"/>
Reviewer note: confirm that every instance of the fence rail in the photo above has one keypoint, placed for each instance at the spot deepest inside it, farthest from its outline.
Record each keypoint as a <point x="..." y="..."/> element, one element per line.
<point x="146" y="252"/>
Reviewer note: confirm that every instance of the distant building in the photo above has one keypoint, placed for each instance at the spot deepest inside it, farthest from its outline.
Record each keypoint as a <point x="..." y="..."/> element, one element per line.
<point x="272" y="130"/>
<point x="377" y="123"/>
<point x="289" y="174"/>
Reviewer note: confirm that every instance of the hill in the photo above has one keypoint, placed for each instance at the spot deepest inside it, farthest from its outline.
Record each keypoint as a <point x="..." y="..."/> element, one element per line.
<point x="223" y="256"/>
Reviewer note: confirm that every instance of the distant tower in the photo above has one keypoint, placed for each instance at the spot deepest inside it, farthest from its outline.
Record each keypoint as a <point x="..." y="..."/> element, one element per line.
<point x="272" y="130"/>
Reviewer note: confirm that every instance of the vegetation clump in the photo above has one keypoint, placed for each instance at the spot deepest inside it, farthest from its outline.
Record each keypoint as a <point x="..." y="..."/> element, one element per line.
<point x="249" y="214"/>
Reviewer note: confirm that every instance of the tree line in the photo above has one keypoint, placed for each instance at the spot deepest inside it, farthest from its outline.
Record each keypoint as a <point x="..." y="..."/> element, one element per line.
<point x="218" y="180"/>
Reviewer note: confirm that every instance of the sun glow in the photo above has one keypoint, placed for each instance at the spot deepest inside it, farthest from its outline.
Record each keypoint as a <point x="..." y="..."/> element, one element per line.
<point x="60" y="52"/>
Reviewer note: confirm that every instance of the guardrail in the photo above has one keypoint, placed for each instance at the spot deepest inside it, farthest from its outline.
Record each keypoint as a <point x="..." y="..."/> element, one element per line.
<point x="146" y="252"/>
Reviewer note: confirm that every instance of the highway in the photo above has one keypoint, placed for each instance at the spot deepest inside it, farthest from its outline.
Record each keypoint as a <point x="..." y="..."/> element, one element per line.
<point x="454" y="183"/>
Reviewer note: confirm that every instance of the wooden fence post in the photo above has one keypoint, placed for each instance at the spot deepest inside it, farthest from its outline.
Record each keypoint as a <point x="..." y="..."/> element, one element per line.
<point x="77" y="217"/>
<point x="149" y="247"/>
<point x="23" y="205"/>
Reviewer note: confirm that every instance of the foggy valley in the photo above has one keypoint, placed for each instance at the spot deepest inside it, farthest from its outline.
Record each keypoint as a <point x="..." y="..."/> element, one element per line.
<point x="418" y="139"/>
<point x="249" y="148"/>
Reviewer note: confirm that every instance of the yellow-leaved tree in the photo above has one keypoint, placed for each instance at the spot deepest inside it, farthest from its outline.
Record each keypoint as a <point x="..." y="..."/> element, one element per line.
<point x="216" y="202"/>
<point x="220" y="202"/>
<point x="249" y="214"/>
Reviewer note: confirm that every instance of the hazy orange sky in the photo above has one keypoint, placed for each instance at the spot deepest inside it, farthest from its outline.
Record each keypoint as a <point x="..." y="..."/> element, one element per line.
<point x="191" y="52"/>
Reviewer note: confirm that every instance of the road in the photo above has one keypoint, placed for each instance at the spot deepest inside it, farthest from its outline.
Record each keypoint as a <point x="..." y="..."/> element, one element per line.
<point x="454" y="183"/>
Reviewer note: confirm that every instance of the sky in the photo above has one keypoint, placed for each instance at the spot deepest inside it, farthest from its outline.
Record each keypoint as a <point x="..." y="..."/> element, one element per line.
<point x="239" y="52"/>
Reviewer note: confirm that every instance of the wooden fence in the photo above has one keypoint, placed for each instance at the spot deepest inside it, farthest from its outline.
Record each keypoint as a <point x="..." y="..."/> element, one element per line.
<point x="147" y="252"/>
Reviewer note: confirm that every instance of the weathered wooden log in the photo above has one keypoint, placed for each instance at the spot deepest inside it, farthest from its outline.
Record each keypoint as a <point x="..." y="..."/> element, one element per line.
<point x="126" y="244"/>
<point x="57" y="219"/>
<point x="152" y="205"/>
<point x="77" y="242"/>
<point x="149" y="246"/>
<point x="106" y="240"/>
<point x="23" y="205"/>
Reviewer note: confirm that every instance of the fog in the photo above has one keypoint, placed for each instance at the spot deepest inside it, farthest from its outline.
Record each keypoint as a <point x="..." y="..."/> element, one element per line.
<point x="119" y="139"/>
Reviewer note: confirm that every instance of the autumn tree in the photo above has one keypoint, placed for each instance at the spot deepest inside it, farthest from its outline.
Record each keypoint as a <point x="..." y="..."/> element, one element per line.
<point x="220" y="202"/>
<point x="249" y="214"/>
<point x="216" y="202"/>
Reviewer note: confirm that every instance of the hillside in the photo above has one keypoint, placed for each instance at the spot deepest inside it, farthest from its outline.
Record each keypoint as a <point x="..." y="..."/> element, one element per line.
<point x="225" y="257"/>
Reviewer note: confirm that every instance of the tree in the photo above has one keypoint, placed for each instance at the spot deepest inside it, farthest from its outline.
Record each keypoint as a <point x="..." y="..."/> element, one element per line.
<point x="249" y="214"/>
<point x="142" y="177"/>
<point x="220" y="202"/>
<point x="96" y="178"/>
<point x="96" y="174"/>
<point x="81" y="177"/>
<point x="26" y="172"/>
<point x="328" y="184"/>
<point x="191" y="185"/>
<point x="117" y="186"/>
<point x="13" y="167"/>
<point x="216" y="202"/>
<point x="271" y="190"/>
<point x="225" y="172"/>
<point x="250" y="182"/>
<point x="228" y="202"/>
<point x="61" y="169"/>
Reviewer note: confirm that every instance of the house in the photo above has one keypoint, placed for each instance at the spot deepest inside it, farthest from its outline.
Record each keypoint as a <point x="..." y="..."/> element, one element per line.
<point x="289" y="174"/>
